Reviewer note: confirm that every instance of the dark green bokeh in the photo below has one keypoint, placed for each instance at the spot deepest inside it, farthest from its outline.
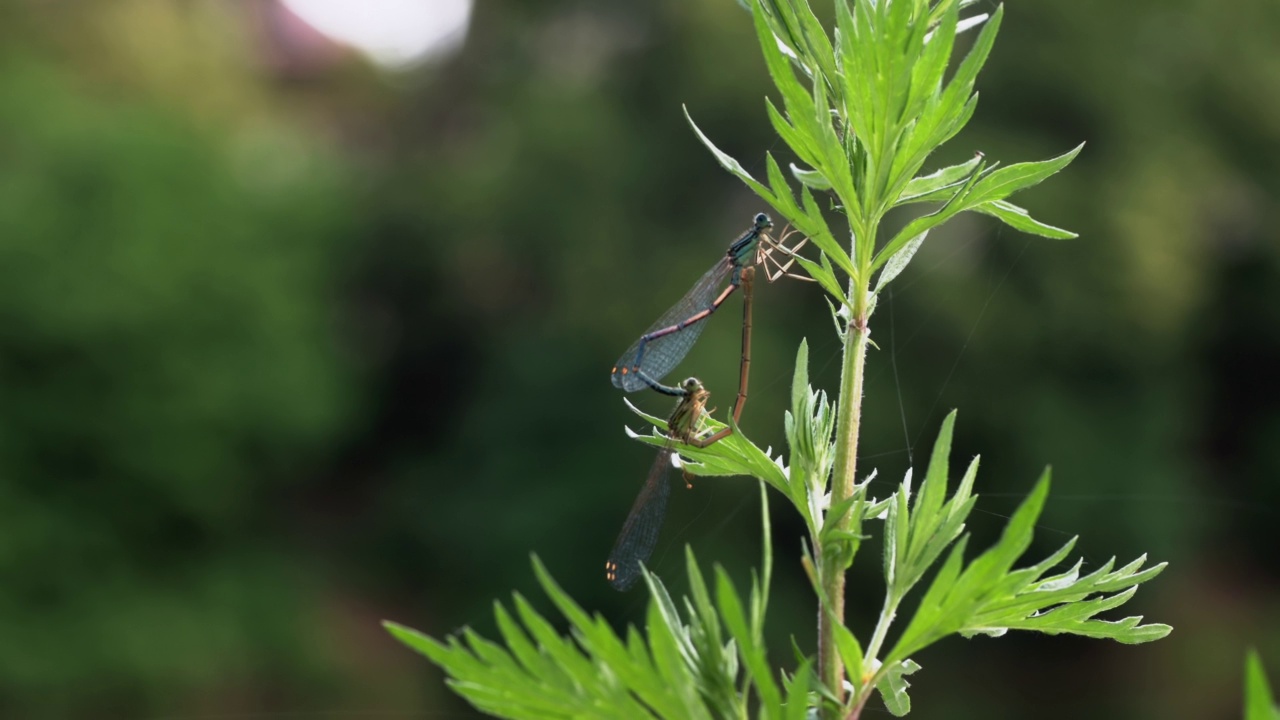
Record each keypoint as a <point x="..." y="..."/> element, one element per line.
<point x="289" y="348"/>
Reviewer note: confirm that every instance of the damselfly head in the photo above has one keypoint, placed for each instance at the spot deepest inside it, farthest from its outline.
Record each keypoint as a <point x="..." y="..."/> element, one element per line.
<point x="763" y="222"/>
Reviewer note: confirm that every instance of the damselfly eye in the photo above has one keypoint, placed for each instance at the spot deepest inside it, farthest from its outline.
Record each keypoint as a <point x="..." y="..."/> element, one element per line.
<point x="763" y="221"/>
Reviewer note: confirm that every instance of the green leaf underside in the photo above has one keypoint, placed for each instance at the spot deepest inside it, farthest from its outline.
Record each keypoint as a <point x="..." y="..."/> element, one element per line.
<point x="988" y="597"/>
<point x="893" y="687"/>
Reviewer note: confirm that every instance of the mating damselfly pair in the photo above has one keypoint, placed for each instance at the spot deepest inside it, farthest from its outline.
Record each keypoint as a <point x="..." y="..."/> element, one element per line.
<point x="658" y="351"/>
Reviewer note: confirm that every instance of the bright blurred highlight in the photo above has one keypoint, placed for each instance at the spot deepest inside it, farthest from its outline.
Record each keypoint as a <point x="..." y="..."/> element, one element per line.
<point x="395" y="34"/>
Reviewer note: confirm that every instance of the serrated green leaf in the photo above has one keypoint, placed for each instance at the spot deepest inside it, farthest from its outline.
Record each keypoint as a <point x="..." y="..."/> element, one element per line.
<point x="567" y="607"/>
<point x="492" y="654"/>
<point x="1023" y="588"/>
<point x="532" y="661"/>
<point x="758" y="462"/>
<point x="1061" y="580"/>
<point x="1136" y="578"/>
<point x="553" y="677"/>
<point x="987" y="598"/>
<point x="1014" y="541"/>
<point x="893" y="687"/>
<point x="570" y="660"/>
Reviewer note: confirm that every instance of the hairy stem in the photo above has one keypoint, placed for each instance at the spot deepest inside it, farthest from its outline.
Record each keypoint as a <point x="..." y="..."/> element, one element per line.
<point x="833" y="565"/>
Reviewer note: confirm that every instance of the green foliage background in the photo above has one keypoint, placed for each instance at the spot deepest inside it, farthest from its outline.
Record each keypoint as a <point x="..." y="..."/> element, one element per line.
<point x="287" y="348"/>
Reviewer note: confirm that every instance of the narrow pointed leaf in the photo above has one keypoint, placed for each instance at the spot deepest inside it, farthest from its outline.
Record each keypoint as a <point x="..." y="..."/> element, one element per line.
<point x="812" y="179"/>
<point x="1258" y="701"/>
<point x="816" y="229"/>
<point x="1003" y="182"/>
<point x="728" y="163"/>
<point x="1019" y="219"/>
<point x="896" y="264"/>
<point x="926" y="188"/>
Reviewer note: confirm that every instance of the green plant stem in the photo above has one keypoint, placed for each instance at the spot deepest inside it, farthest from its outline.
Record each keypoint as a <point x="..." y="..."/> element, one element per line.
<point x="849" y="414"/>
<point x="869" y="674"/>
<point x="887" y="615"/>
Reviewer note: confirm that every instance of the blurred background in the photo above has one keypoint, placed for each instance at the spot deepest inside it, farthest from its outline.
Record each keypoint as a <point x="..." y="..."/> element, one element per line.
<point x="307" y="308"/>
